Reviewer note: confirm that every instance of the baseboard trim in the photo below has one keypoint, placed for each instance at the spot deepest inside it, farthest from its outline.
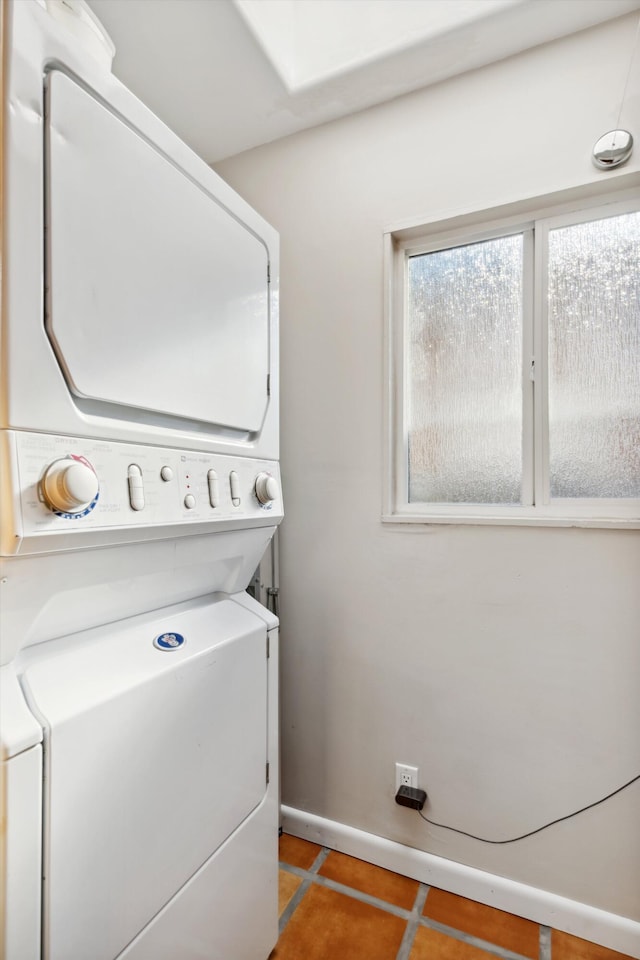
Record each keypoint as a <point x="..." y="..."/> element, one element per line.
<point x="591" y="923"/>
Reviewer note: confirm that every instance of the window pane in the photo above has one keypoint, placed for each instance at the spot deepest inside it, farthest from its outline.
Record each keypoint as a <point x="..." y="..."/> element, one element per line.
<point x="594" y="358"/>
<point x="464" y="381"/>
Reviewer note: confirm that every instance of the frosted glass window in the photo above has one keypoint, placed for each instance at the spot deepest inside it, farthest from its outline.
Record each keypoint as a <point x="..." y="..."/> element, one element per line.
<point x="464" y="373"/>
<point x="517" y="351"/>
<point x="594" y="358"/>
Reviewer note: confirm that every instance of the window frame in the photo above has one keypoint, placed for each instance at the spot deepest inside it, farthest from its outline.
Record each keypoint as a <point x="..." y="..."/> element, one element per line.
<point x="534" y="219"/>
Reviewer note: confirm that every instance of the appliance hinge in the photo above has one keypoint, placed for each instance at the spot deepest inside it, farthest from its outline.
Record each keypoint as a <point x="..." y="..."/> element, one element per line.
<point x="268" y="647"/>
<point x="268" y="273"/>
<point x="267" y="772"/>
<point x="532" y="370"/>
<point x="272" y="599"/>
<point x="268" y="384"/>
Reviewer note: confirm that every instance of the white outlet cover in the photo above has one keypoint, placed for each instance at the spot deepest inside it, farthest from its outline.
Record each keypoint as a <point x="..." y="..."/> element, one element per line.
<point x="406" y="775"/>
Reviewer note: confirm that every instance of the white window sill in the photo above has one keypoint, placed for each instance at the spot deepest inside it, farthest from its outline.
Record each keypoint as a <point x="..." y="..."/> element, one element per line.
<point x="611" y="523"/>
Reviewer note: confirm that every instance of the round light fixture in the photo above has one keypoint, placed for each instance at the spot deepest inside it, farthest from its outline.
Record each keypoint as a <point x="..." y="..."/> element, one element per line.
<point x="613" y="149"/>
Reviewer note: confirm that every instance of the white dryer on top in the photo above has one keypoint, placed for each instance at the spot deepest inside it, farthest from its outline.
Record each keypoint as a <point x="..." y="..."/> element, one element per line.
<point x="140" y="291"/>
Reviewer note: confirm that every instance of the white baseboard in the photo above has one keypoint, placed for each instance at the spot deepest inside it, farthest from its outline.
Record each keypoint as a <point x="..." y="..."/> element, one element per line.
<point x="590" y="923"/>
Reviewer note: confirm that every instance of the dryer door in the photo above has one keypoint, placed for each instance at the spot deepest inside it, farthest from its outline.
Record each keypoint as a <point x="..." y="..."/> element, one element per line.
<point x="154" y="757"/>
<point x="157" y="295"/>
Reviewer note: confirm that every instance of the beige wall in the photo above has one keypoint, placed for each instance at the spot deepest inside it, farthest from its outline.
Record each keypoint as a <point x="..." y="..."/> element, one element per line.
<point x="503" y="661"/>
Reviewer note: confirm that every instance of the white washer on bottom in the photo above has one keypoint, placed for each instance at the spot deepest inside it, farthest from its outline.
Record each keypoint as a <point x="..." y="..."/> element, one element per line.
<point x="159" y="823"/>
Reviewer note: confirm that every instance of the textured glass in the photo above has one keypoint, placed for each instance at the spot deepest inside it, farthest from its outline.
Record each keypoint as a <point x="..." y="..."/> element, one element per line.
<point x="594" y="358"/>
<point x="464" y="374"/>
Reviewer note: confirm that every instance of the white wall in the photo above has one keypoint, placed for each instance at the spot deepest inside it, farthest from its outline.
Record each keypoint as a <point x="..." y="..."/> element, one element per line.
<point x="502" y="661"/>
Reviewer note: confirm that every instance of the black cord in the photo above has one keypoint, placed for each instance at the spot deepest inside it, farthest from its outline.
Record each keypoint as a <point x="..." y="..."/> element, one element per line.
<point x="531" y="832"/>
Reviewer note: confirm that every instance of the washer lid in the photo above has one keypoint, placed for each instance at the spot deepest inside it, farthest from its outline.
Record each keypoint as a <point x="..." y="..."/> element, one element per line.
<point x="155" y="755"/>
<point x="158" y="298"/>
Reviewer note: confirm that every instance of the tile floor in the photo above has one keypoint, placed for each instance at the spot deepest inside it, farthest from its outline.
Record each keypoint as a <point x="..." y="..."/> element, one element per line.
<point x="334" y="907"/>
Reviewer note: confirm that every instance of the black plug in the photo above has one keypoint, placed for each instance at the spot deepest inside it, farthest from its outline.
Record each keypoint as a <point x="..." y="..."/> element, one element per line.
<point x="411" y="797"/>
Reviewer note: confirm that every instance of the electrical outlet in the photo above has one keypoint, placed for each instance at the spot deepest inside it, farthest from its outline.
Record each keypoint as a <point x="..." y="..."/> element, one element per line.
<point x="406" y="776"/>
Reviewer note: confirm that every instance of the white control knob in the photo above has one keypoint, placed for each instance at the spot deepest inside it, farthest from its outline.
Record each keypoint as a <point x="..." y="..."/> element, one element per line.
<point x="69" y="485"/>
<point x="266" y="487"/>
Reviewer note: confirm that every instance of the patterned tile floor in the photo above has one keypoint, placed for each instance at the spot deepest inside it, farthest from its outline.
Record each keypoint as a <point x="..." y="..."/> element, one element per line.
<point x="334" y="907"/>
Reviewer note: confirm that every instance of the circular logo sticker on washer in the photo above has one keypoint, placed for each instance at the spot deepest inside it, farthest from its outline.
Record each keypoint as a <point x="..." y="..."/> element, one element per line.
<point x="169" y="641"/>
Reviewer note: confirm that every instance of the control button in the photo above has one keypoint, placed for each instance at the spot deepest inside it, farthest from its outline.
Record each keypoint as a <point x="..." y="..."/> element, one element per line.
<point x="266" y="488"/>
<point x="136" y="487"/>
<point x="189" y="501"/>
<point x="166" y="474"/>
<point x="214" y="488"/>
<point x="70" y="485"/>
<point x="234" y="486"/>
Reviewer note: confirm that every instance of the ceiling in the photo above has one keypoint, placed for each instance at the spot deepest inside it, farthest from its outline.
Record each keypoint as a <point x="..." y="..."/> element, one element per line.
<point x="228" y="75"/>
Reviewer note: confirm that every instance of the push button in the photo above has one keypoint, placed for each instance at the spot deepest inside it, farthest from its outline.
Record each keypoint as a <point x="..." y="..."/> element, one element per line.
<point x="189" y="501"/>
<point x="166" y="473"/>
<point x="234" y="486"/>
<point x="214" y="488"/>
<point x="136" y="487"/>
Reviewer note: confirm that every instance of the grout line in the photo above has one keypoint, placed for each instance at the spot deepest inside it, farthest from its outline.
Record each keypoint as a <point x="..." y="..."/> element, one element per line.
<point x="307" y="877"/>
<point x="319" y="860"/>
<point x="545" y="943"/>
<point x="365" y="898"/>
<point x="407" y="941"/>
<point x="286" y="914"/>
<point x="404" y="950"/>
<point x="297" y="871"/>
<point x="348" y="891"/>
<point x="469" y="938"/>
<point x="421" y="899"/>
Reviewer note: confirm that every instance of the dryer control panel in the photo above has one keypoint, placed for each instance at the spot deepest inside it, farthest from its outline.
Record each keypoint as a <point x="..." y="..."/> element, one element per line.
<point x="66" y="493"/>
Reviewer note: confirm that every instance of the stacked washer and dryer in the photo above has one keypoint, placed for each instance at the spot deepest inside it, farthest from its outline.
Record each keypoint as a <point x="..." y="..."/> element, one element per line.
<point x="140" y="488"/>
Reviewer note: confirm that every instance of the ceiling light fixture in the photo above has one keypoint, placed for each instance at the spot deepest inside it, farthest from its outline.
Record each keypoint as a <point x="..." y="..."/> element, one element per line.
<point x="615" y="147"/>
